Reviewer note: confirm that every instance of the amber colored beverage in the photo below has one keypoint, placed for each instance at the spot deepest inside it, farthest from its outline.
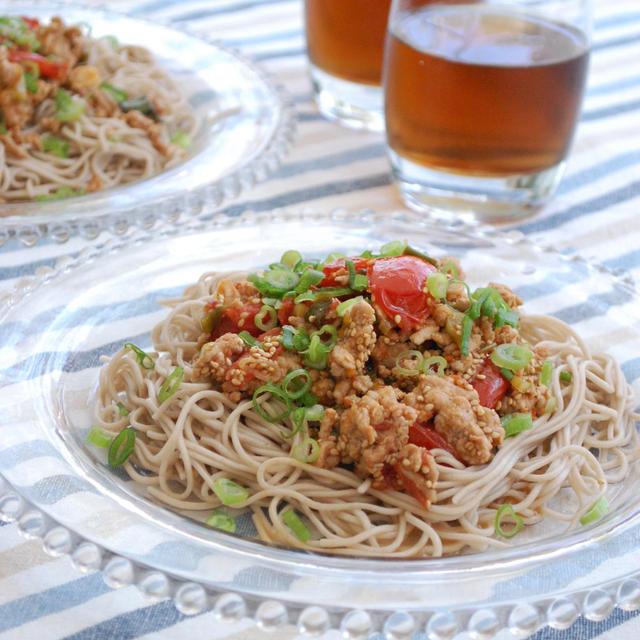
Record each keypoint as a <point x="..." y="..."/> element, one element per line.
<point x="477" y="91"/>
<point x="345" y="38"/>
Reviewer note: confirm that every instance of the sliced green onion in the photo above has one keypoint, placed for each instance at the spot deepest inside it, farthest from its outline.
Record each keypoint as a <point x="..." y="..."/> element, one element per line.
<point x="416" y="357"/>
<point x="288" y="332"/>
<point x="144" y="359"/>
<point x="306" y="451"/>
<point x="55" y="145"/>
<point x="292" y="520"/>
<point x="465" y="336"/>
<point x="314" y="413"/>
<point x="99" y="438"/>
<point x="209" y="320"/>
<point x="360" y="282"/>
<point x="249" y="340"/>
<point x="464" y="284"/>
<point x="220" y="520"/>
<point x="511" y="356"/>
<point x="230" y="492"/>
<point x="393" y="248"/>
<point x="305" y="296"/>
<point x="432" y="361"/>
<point x="181" y="139"/>
<point x="598" y="509"/>
<point x="437" y="285"/>
<point x="141" y="104"/>
<point x="112" y="40"/>
<point x="565" y="376"/>
<point x="296" y="383"/>
<point x="450" y="267"/>
<point x="331" y="331"/>
<point x="277" y="393"/>
<point x="308" y="278"/>
<point x="290" y="258"/>
<point x="411" y="251"/>
<point x="298" y="416"/>
<point x="68" y="109"/>
<point x="506" y="512"/>
<point x="515" y="423"/>
<point x="545" y="373"/>
<point x="344" y="306"/>
<point x="61" y="192"/>
<point x="332" y="292"/>
<point x="171" y="384"/>
<point x="123" y="410"/>
<point x="316" y="353"/>
<point x="505" y="373"/>
<point x="506" y="317"/>
<point x="333" y="256"/>
<point x="117" y="94"/>
<point x="301" y="340"/>
<point x="31" y="81"/>
<point x="477" y="303"/>
<point x="266" y="319"/>
<point x="122" y="447"/>
<point x="281" y="280"/>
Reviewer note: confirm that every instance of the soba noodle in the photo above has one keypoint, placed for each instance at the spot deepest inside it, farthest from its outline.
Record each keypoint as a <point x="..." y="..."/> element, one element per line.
<point x="103" y="151"/>
<point x="183" y="446"/>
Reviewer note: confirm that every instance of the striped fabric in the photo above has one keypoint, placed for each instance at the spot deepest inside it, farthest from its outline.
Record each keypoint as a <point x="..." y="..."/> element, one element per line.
<point x="597" y="212"/>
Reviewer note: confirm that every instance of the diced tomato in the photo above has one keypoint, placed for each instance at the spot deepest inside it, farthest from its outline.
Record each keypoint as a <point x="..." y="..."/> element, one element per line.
<point x="332" y="268"/>
<point x="424" y="436"/>
<point x="32" y="23"/>
<point x="48" y="68"/>
<point x="285" y="311"/>
<point x="492" y="386"/>
<point x="397" y="285"/>
<point x="233" y="315"/>
<point x="410" y="486"/>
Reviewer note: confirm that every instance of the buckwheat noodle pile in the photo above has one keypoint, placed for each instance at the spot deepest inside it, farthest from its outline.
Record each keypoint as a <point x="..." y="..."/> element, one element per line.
<point x="201" y="435"/>
<point x="105" y="147"/>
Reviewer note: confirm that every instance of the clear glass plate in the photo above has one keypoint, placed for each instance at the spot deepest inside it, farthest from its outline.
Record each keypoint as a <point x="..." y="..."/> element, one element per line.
<point x="229" y="154"/>
<point x="57" y="325"/>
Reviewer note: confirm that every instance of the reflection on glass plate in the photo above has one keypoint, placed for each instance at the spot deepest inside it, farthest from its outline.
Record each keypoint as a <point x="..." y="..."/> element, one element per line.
<point x="245" y="129"/>
<point x="55" y="329"/>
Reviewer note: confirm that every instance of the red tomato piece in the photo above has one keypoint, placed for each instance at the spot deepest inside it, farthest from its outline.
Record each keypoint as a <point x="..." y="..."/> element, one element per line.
<point x="492" y="387"/>
<point x="285" y="311"/>
<point x="233" y="316"/>
<point x="48" y="68"/>
<point x="331" y="269"/>
<point x="32" y="23"/>
<point x="410" y="486"/>
<point x="423" y="436"/>
<point x="397" y="285"/>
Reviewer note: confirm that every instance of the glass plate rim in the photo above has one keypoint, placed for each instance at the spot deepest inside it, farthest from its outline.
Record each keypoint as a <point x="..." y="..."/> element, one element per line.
<point x="580" y="597"/>
<point x="49" y="219"/>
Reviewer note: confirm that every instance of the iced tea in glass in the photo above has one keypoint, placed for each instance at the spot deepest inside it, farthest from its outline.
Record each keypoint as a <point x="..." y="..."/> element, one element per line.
<point x="482" y="101"/>
<point x="345" y="42"/>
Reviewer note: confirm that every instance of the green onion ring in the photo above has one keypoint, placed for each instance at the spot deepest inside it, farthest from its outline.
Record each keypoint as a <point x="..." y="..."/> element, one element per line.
<point x="393" y="248"/>
<point x="220" y="520"/>
<point x="344" y="306"/>
<point x="99" y="438"/>
<point x="598" y="509"/>
<point x="516" y="423"/>
<point x="292" y="520"/>
<point x="306" y="451"/>
<point x="294" y="378"/>
<point x="123" y="410"/>
<point x="433" y="360"/>
<point x="417" y="357"/>
<point x="278" y="393"/>
<point x="171" y="384"/>
<point x="333" y="336"/>
<point x="300" y="339"/>
<point x="229" y="492"/>
<point x="506" y="510"/>
<point x="121" y="447"/>
<point x="566" y="376"/>
<point x="450" y="267"/>
<point x="290" y="258"/>
<point x="511" y="356"/>
<point x="465" y="336"/>
<point x="545" y="373"/>
<point x="141" y="356"/>
<point x="259" y="319"/>
<point x="437" y="284"/>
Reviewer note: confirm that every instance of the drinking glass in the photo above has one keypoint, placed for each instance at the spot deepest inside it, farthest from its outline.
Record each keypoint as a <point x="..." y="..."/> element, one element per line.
<point x="345" y="42"/>
<point x="482" y="101"/>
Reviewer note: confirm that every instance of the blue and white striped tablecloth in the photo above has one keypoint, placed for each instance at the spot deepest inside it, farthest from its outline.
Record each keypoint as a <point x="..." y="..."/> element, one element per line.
<point x="597" y="212"/>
